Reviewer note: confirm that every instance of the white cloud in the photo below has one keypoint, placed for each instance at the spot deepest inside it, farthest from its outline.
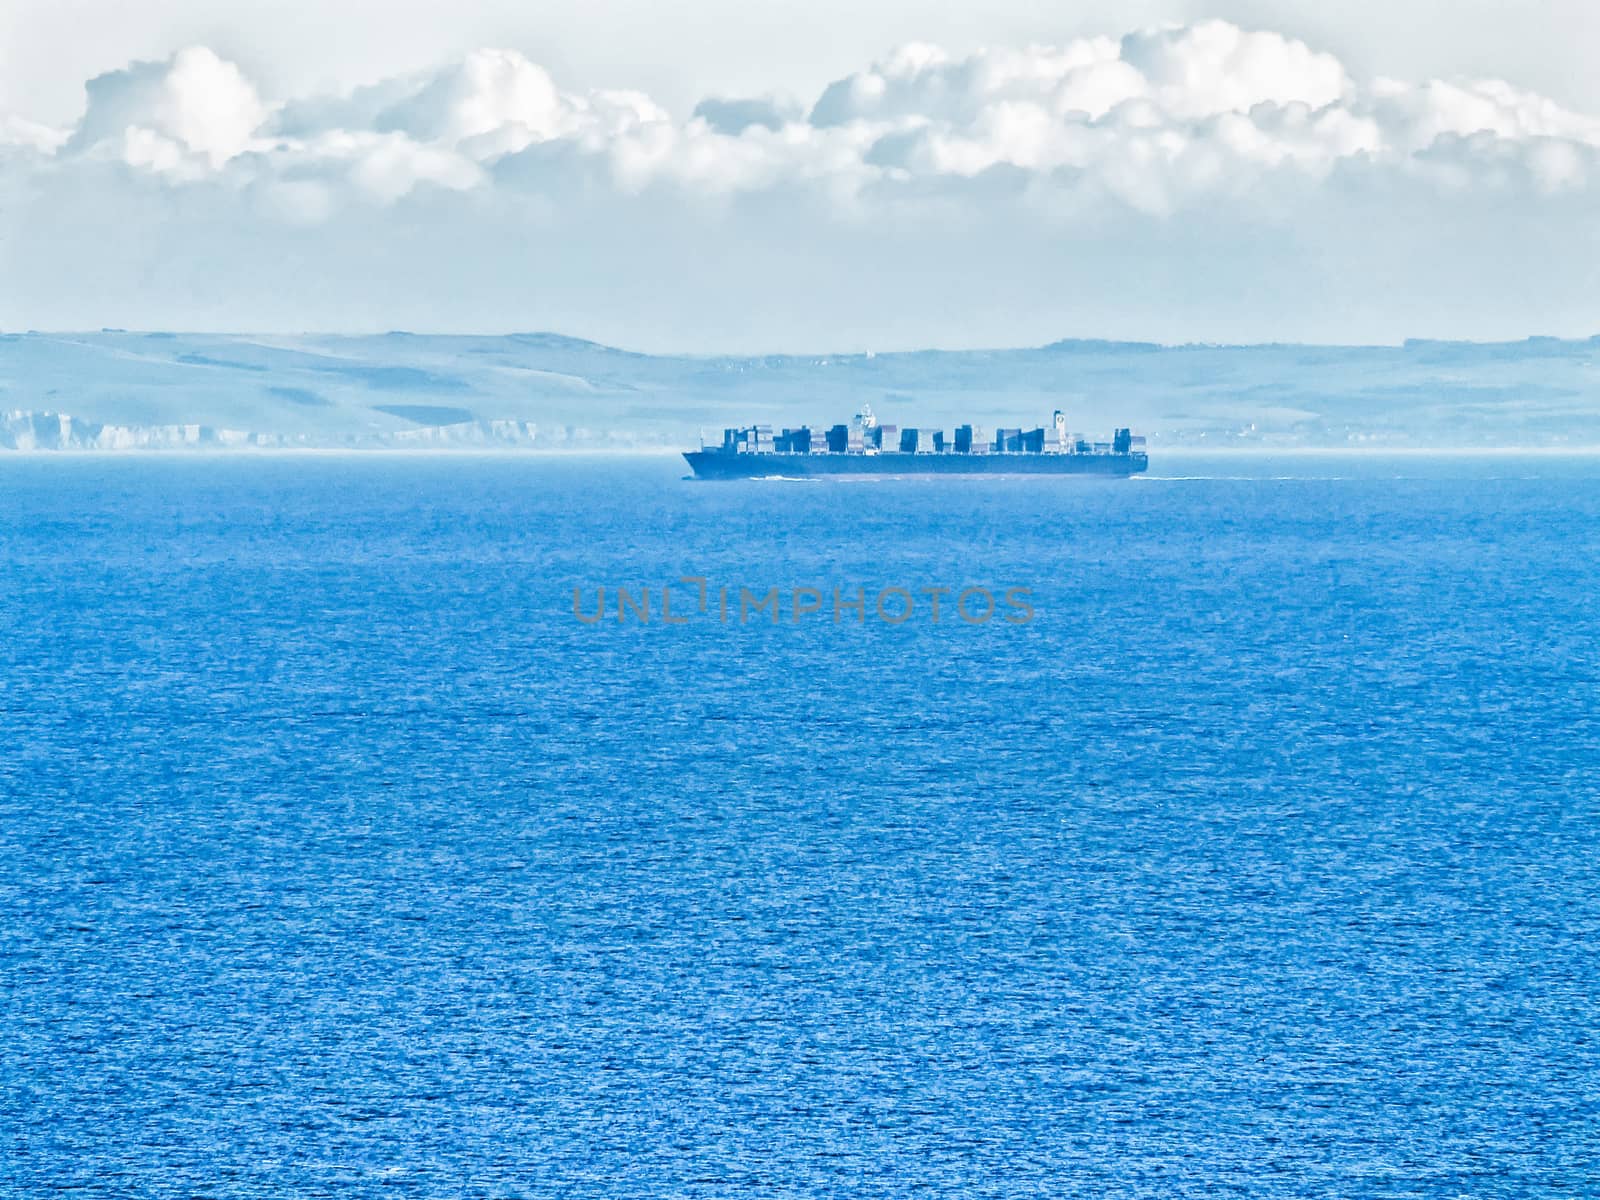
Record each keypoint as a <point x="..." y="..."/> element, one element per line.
<point x="387" y="166"/>
<point x="1150" y="134"/>
<point x="486" y="93"/>
<point x="1215" y="67"/>
<point x="1418" y="116"/>
<point x="195" y="104"/>
<point x="1154" y="121"/>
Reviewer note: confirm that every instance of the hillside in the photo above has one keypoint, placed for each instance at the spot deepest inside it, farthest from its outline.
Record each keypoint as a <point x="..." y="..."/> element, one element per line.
<point x="132" y="390"/>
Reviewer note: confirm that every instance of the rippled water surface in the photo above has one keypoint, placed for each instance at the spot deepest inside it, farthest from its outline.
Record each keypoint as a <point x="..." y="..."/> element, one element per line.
<point x="337" y="857"/>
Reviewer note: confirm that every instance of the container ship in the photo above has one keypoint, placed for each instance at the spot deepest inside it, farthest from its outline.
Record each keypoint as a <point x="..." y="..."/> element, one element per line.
<point x="865" y="447"/>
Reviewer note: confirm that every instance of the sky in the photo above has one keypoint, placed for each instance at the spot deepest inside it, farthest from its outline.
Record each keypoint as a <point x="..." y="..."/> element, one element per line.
<point x="762" y="176"/>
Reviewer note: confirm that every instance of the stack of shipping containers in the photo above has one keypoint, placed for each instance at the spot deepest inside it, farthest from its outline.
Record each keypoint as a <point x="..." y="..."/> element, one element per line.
<point x="891" y="439"/>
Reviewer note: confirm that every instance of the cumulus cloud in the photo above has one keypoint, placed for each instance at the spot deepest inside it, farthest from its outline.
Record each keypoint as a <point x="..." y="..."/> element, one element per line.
<point x="158" y="114"/>
<point x="1044" y="141"/>
<point x="487" y="93"/>
<point x="1152" y="121"/>
<point x="1215" y="67"/>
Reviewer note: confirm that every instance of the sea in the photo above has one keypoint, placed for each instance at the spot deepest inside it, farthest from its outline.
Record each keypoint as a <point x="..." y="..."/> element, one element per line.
<point x="1245" y="843"/>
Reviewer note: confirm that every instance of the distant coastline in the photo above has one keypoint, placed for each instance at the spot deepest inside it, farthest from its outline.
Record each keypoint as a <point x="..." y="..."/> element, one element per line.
<point x="117" y="391"/>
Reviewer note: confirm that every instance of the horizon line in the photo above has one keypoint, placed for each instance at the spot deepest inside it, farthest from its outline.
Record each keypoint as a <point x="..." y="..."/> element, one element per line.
<point x="1125" y="343"/>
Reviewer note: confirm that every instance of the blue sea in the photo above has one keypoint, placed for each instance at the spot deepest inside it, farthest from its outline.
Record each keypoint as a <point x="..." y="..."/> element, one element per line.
<point x="340" y="857"/>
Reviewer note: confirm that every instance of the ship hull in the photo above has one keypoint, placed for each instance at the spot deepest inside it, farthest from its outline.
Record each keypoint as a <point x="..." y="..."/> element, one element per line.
<point x="720" y="464"/>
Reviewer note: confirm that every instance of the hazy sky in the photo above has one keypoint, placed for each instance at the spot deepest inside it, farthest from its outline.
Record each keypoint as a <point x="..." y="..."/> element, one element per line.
<point x="1359" y="171"/>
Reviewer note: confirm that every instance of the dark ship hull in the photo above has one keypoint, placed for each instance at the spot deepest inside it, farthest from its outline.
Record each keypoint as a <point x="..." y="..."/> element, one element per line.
<point x="725" y="464"/>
